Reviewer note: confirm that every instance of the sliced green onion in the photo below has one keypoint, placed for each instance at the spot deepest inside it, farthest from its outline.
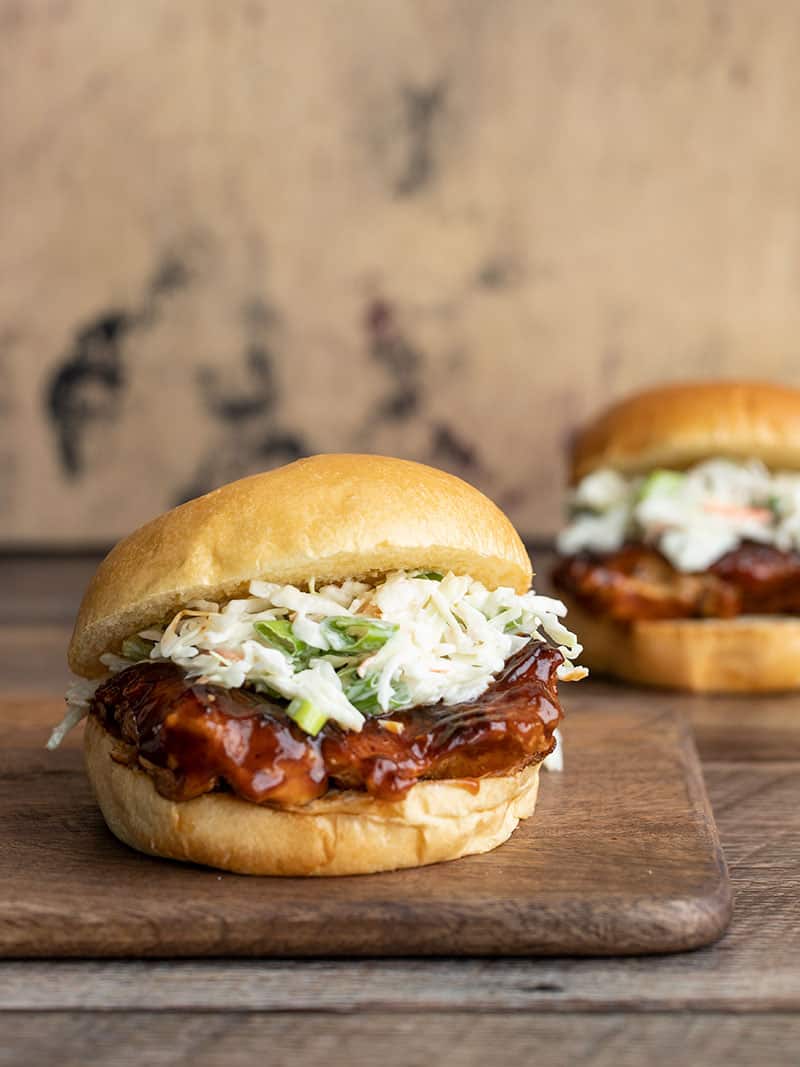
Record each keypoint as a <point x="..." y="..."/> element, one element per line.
<point x="431" y="576"/>
<point x="513" y="626"/>
<point x="363" y="692"/>
<point x="660" y="481"/>
<point x="278" y="633"/>
<point x="348" y="633"/>
<point x="401" y="697"/>
<point x="307" y="715"/>
<point x="136" y="648"/>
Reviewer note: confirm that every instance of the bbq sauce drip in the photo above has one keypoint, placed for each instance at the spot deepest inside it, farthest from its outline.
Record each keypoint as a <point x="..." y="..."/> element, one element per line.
<point x="194" y="738"/>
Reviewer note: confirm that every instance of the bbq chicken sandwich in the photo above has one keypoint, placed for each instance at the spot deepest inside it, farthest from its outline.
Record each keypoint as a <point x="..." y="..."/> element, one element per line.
<point x="681" y="556"/>
<point x="336" y="667"/>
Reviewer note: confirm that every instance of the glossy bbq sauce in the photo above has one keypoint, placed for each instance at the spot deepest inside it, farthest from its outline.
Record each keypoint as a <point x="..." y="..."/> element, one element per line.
<point x="636" y="582"/>
<point x="194" y="738"/>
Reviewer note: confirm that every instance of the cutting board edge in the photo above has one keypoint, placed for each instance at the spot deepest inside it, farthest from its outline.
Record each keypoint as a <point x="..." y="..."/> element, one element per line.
<point x="650" y="929"/>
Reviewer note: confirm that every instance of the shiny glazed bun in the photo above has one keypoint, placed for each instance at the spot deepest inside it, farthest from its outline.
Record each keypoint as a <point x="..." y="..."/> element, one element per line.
<point x="677" y="425"/>
<point x="344" y="832"/>
<point x="329" y="517"/>
<point x="745" y="654"/>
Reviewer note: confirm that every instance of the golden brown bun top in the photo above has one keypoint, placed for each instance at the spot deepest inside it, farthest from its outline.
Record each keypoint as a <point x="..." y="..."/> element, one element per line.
<point x="328" y="517"/>
<point x="678" y="425"/>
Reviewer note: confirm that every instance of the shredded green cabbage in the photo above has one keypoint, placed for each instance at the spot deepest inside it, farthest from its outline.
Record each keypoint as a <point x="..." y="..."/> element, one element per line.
<point x="357" y="648"/>
<point x="693" y="517"/>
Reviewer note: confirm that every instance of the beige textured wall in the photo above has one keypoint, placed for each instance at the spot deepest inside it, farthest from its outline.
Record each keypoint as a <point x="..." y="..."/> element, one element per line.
<point x="233" y="230"/>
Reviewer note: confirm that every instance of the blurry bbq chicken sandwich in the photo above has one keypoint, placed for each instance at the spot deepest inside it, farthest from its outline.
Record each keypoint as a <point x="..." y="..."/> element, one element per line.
<point x="681" y="556"/>
<point x="336" y="667"/>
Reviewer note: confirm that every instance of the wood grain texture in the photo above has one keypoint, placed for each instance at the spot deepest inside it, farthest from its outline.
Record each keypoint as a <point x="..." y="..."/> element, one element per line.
<point x="44" y="589"/>
<point x="622" y="857"/>
<point x="556" y="202"/>
<point x="725" y="727"/>
<point x="233" y="1039"/>
<point x="754" y="968"/>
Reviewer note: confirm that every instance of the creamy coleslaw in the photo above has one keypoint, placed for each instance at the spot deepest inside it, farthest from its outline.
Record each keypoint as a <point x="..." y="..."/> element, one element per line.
<point x="342" y="652"/>
<point x="693" y="517"/>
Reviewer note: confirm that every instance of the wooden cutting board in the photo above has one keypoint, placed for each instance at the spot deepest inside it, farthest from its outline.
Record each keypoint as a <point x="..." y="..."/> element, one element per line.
<point x="622" y="856"/>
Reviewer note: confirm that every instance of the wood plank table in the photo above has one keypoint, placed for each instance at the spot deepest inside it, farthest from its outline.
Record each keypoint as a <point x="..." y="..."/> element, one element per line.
<point x="737" y="1002"/>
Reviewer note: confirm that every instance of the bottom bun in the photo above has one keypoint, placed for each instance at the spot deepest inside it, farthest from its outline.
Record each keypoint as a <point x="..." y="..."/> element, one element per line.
<point x="747" y="654"/>
<point x="345" y="832"/>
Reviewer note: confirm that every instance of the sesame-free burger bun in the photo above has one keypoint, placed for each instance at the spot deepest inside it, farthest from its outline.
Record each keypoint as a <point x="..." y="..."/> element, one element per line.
<point x="746" y="654"/>
<point x="329" y="517"/>
<point x="678" y="425"/>
<point x="344" y="832"/>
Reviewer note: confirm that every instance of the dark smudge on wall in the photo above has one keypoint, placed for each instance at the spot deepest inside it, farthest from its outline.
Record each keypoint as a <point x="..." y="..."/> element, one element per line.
<point x="404" y="401"/>
<point x="421" y="111"/>
<point x="250" y="435"/>
<point x="87" y="385"/>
